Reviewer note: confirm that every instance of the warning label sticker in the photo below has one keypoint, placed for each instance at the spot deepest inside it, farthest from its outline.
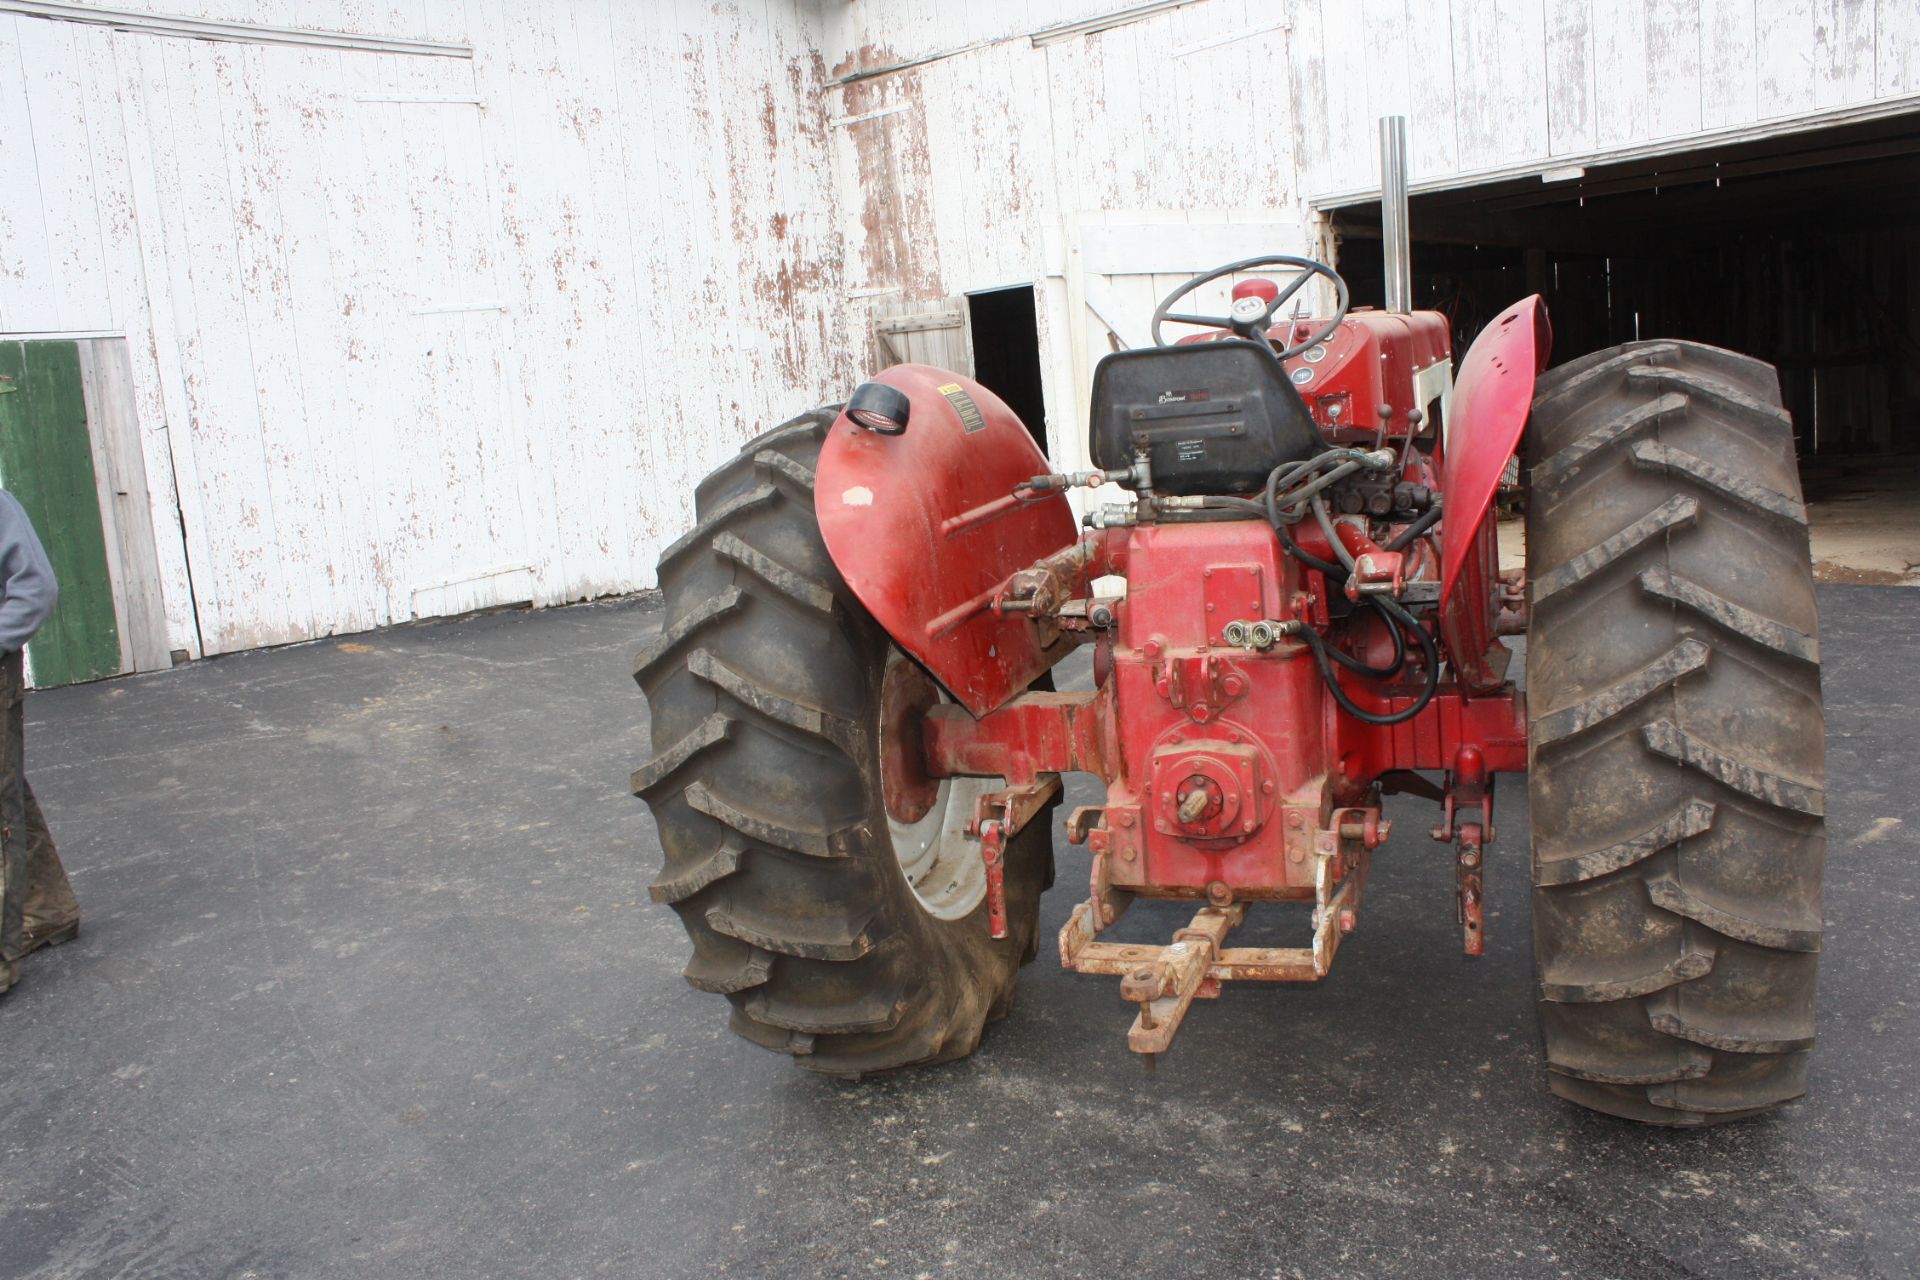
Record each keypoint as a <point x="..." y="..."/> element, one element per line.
<point x="963" y="405"/>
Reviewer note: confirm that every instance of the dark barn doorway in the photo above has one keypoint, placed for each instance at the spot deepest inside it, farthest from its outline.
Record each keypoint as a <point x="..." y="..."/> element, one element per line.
<point x="1802" y="250"/>
<point x="1006" y="353"/>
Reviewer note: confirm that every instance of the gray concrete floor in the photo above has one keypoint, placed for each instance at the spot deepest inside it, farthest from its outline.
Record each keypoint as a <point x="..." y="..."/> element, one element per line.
<point x="369" y="986"/>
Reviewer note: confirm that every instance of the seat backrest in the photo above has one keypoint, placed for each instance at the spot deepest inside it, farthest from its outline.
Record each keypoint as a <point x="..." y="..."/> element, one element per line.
<point x="1214" y="417"/>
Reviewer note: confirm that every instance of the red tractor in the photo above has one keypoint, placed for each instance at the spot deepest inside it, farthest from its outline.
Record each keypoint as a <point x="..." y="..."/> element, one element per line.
<point x="1297" y="610"/>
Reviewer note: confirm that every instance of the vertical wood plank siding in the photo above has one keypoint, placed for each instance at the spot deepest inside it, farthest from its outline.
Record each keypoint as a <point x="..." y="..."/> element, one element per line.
<point x="416" y="334"/>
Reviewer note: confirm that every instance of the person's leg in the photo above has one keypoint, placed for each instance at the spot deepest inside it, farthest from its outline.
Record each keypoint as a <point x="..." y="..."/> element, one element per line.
<point x="50" y="915"/>
<point x="13" y="842"/>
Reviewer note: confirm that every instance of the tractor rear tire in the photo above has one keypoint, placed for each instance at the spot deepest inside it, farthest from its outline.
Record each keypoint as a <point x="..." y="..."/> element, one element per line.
<point x="1676" y="767"/>
<point x="764" y="686"/>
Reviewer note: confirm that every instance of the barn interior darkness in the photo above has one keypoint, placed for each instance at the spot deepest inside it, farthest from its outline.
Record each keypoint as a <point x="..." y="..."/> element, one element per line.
<point x="1006" y="352"/>
<point x="1802" y="250"/>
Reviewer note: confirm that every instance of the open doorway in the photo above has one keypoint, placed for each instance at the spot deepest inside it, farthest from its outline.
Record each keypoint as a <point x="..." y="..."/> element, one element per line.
<point x="1802" y="250"/>
<point x="1006" y="353"/>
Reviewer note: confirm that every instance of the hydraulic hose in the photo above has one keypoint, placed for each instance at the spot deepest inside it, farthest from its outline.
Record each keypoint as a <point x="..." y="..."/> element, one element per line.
<point x="1306" y="557"/>
<point x="1333" y="537"/>
<point x="1352" y="663"/>
<point x="1321" y="651"/>
<point x="1405" y="538"/>
<point x="1398" y="620"/>
<point x="1311" y="490"/>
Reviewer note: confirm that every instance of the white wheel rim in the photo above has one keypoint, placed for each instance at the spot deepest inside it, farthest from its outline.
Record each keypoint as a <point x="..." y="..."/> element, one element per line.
<point x="939" y="860"/>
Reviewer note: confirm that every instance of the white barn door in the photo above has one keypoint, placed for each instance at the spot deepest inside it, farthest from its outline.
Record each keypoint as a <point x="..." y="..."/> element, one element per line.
<point x="935" y="333"/>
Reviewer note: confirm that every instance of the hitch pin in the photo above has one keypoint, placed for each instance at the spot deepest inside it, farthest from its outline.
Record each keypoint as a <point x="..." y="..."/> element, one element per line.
<point x="1142" y="985"/>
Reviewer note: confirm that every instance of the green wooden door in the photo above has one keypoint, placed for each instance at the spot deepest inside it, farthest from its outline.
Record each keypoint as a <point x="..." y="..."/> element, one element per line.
<point x="46" y="461"/>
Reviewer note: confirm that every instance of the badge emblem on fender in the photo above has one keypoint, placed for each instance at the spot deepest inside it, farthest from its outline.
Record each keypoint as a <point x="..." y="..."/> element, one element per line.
<point x="964" y="406"/>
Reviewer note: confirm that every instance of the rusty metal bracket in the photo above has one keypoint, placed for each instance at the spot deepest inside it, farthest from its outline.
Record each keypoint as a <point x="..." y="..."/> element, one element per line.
<point x="998" y="817"/>
<point x="1469" y="789"/>
<point x="1165" y="988"/>
<point x="1166" y="980"/>
<point x="1083" y="820"/>
<point x="1467" y="866"/>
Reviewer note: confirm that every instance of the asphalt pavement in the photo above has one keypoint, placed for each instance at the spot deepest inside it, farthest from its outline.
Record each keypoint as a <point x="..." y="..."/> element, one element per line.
<point x="369" y="985"/>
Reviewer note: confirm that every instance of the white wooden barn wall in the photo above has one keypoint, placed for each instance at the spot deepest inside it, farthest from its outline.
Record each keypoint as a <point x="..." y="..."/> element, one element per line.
<point x="418" y="334"/>
<point x="413" y="334"/>
<point x="975" y="169"/>
<point x="1487" y="83"/>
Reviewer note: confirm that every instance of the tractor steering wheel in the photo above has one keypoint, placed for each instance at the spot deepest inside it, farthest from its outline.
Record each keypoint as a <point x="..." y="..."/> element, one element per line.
<point x="1252" y="316"/>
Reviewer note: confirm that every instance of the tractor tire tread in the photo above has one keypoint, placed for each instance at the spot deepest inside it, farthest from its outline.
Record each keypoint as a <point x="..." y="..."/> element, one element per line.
<point x="762" y="683"/>
<point x="1675" y="773"/>
<point x="1749" y="624"/>
<point x="1560" y="467"/>
<point x="1677" y="462"/>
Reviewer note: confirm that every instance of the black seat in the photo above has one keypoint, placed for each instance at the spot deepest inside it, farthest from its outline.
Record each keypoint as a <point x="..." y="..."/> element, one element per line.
<point x="1214" y="417"/>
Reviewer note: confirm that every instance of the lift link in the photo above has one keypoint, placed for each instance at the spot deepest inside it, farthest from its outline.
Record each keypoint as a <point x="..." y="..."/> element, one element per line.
<point x="1466" y="819"/>
<point x="1467" y="876"/>
<point x="998" y="817"/>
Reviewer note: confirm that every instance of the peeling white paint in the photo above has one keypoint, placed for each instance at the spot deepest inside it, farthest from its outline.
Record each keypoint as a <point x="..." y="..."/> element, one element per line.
<point x="399" y="320"/>
<point x="858" y="496"/>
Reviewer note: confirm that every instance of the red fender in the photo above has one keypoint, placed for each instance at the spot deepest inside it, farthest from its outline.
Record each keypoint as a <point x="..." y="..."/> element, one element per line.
<point x="924" y="526"/>
<point x="1491" y="400"/>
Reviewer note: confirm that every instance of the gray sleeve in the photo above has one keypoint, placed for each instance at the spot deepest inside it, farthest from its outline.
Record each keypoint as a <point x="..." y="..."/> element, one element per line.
<point x="27" y="587"/>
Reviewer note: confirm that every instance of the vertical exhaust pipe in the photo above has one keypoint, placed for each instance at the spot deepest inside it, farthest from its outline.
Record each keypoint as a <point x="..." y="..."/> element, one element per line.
<point x="1395" y="237"/>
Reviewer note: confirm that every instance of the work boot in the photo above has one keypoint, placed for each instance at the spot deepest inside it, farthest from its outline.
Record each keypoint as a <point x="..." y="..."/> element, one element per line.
<point x="36" y="933"/>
